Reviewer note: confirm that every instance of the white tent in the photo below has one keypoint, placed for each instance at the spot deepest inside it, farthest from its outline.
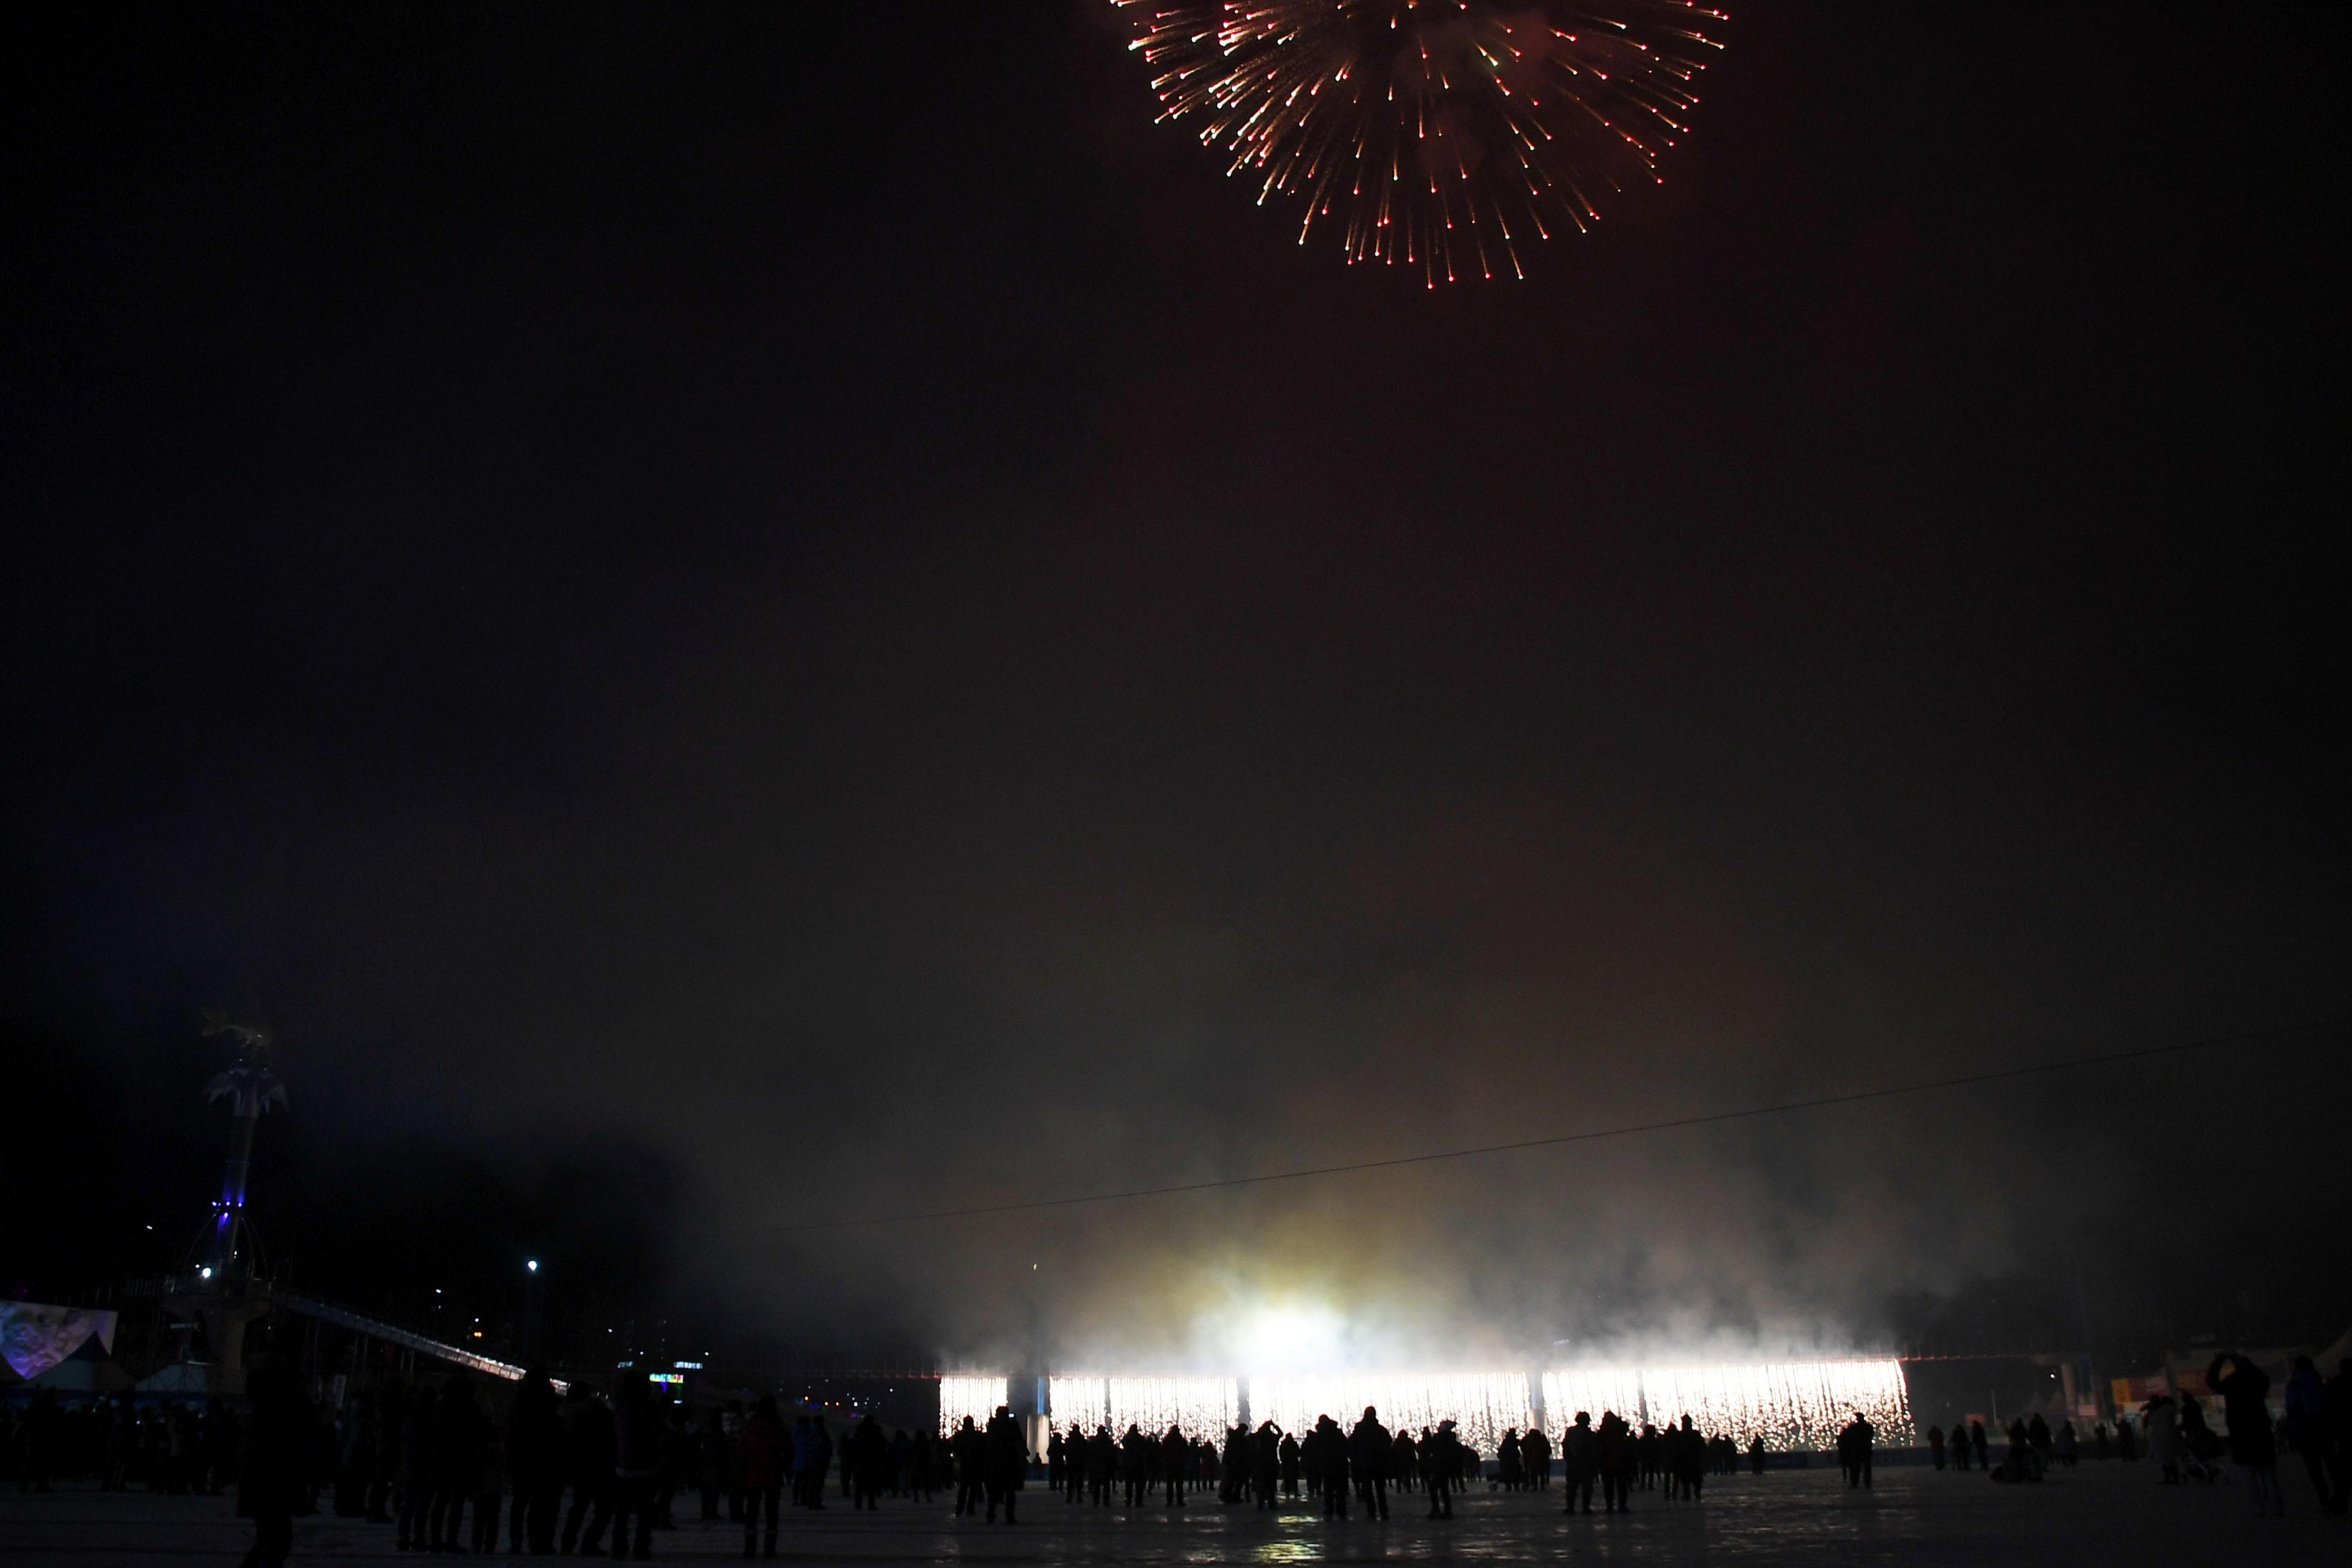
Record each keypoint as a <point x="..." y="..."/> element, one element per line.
<point x="181" y="1377"/>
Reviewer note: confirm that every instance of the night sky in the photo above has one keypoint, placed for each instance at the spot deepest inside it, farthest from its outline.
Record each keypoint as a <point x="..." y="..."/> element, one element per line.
<point x="732" y="616"/>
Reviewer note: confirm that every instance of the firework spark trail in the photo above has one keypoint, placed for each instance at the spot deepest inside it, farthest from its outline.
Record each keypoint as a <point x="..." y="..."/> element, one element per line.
<point x="1438" y="135"/>
<point x="977" y="1397"/>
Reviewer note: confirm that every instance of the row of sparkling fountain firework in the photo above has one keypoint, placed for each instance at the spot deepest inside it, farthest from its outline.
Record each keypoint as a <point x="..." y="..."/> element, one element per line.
<point x="1792" y="1405"/>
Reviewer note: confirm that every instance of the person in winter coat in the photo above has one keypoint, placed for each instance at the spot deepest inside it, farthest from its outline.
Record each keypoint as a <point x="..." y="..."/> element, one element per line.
<point x="1175" y="1463"/>
<point x="763" y="1452"/>
<point x="1006" y="1457"/>
<point x="869" y="1463"/>
<point x="1445" y="1450"/>
<point x="417" y="1470"/>
<point x="2162" y="1419"/>
<point x="588" y="1465"/>
<point x="1331" y="1466"/>
<point x="1102" y="1466"/>
<point x="1579" y="1461"/>
<point x="1535" y="1454"/>
<point x="1265" y="1464"/>
<point x="534" y="1451"/>
<point x="457" y="1445"/>
<point x="277" y="1460"/>
<point x="2253" y="1446"/>
<point x="1617" y="1462"/>
<point x="637" y="1450"/>
<point x="2313" y="1426"/>
<point x="969" y="1448"/>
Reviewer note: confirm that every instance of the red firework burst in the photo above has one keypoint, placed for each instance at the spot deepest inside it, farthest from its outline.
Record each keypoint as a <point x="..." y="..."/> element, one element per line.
<point x="1443" y="134"/>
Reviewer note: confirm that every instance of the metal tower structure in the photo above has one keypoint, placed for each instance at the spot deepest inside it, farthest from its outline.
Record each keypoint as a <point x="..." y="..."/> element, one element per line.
<point x="250" y="1086"/>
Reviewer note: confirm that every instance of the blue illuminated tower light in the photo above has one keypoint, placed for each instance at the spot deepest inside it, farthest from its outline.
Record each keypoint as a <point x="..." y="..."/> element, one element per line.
<point x="250" y="1087"/>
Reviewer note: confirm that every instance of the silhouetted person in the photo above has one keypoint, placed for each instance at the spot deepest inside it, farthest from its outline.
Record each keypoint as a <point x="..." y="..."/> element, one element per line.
<point x="1007" y="1459"/>
<point x="534" y="1463"/>
<point x="277" y="1458"/>
<point x="460" y="1445"/>
<point x="1175" y="1460"/>
<point x="2253" y="1446"/>
<point x="1289" y="1458"/>
<point x="1755" y="1454"/>
<point x="1854" y="1450"/>
<point x="1579" y="1462"/>
<point x="1330" y="1459"/>
<point x="417" y="1471"/>
<point x="1977" y="1441"/>
<point x="638" y="1433"/>
<point x="968" y="1447"/>
<point x="1264" y="1451"/>
<point x="1690" y="1451"/>
<point x="869" y="1459"/>
<point x="1535" y="1452"/>
<point x="1368" y="1455"/>
<point x="2339" y="1406"/>
<point x="391" y="1412"/>
<point x="1616" y="1463"/>
<point x="1936" y="1446"/>
<point x="2162" y="1418"/>
<point x="762" y="1454"/>
<point x="1102" y="1466"/>
<point x="1135" y="1451"/>
<point x="1404" y="1462"/>
<point x="588" y="1465"/>
<point x="1445" y="1470"/>
<point x="2311" y="1428"/>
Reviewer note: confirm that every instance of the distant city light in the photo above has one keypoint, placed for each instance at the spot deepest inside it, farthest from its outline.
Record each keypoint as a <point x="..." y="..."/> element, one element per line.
<point x="687" y="1366"/>
<point x="206" y="1272"/>
<point x="532" y="1264"/>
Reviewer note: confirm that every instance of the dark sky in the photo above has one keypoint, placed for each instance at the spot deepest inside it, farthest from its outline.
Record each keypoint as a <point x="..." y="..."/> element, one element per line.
<point x="735" y="616"/>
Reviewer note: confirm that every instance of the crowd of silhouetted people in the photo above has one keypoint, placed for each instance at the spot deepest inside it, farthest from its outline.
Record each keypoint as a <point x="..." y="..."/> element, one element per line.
<point x="2176" y="1437"/>
<point x="456" y="1466"/>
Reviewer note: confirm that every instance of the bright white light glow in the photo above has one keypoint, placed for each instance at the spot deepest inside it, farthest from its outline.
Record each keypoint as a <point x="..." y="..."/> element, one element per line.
<point x="1792" y="1405"/>
<point x="1291" y="1339"/>
<point x="977" y="1397"/>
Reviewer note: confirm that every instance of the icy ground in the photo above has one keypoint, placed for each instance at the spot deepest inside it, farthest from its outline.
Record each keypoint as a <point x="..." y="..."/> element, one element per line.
<point x="2089" y="1517"/>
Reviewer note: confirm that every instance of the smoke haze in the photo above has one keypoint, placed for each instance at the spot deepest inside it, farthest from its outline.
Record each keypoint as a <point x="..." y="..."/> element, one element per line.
<point x="713" y="666"/>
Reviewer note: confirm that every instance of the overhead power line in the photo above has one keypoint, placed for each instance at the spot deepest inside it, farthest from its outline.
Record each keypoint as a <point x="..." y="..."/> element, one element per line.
<point x="1594" y="1135"/>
